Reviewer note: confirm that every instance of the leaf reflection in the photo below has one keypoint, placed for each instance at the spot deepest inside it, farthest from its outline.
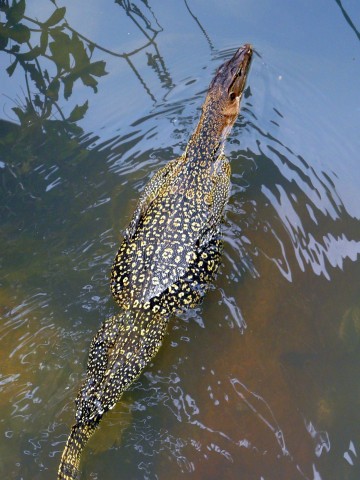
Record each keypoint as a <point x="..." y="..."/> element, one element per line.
<point x="53" y="57"/>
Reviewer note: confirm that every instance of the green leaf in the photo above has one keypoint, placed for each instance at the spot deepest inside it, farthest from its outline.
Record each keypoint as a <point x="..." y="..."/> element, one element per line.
<point x="79" y="53"/>
<point x="15" y="49"/>
<point x="38" y="102"/>
<point x="97" y="69"/>
<point x="60" y="55"/>
<point x="74" y="129"/>
<point x="30" y="55"/>
<point x="56" y="17"/>
<point x="68" y="86"/>
<point x="91" y="47"/>
<point x="36" y="76"/>
<point x="58" y="35"/>
<point x="11" y="68"/>
<point x="53" y="90"/>
<point x="4" y="35"/>
<point x="89" y="81"/>
<point x="20" y="33"/>
<point x="78" y="112"/>
<point x="19" y="113"/>
<point x="3" y="41"/>
<point x="44" y="39"/>
<point x="16" y="12"/>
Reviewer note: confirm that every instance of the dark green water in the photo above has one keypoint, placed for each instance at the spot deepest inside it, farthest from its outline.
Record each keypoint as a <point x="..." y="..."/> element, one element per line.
<point x="277" y="400"/>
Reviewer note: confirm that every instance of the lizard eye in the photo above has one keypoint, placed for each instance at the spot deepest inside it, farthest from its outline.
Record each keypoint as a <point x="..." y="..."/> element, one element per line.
<point x="232" y="96"/>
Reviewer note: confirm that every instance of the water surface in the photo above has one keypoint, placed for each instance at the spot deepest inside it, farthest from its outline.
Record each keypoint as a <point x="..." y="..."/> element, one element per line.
<point x="261" y="381"/>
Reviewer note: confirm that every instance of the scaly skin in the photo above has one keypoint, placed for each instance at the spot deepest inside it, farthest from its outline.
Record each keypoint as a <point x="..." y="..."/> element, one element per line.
<point x="167" y="260"/>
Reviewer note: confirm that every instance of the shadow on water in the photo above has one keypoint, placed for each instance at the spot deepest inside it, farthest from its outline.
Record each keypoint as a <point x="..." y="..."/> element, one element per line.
<point x="202" y="29"/>
<point x="155" y="60"/>
<point x="348" y="18"/>
<point x="273" y="361"/>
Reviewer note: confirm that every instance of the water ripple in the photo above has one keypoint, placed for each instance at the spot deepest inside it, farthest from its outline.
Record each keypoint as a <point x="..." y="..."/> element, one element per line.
<point x="262" y="410"/>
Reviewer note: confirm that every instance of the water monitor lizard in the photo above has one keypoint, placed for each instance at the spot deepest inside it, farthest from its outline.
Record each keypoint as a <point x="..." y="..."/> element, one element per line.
<point x="169" y="255"/>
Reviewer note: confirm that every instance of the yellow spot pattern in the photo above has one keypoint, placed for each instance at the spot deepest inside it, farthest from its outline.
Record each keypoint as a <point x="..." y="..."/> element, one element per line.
<point x="165" y="264"/>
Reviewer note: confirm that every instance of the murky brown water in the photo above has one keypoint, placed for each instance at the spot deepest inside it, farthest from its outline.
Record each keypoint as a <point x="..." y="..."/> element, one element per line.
<point x="261" y="381"/>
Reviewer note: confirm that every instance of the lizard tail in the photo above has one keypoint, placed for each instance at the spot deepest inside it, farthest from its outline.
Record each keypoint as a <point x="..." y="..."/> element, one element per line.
<point x="70" y="459"/>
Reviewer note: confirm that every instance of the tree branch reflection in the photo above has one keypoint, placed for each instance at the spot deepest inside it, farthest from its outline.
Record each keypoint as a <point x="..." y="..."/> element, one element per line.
<point x="348" y="19"/>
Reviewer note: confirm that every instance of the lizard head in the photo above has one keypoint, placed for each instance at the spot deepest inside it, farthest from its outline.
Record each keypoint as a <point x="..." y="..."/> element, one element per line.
<point x="226" y="88"/>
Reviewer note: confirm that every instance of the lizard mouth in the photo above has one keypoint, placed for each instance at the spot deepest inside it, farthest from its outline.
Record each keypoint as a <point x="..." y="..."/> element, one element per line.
<point x="231" y="76"/>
